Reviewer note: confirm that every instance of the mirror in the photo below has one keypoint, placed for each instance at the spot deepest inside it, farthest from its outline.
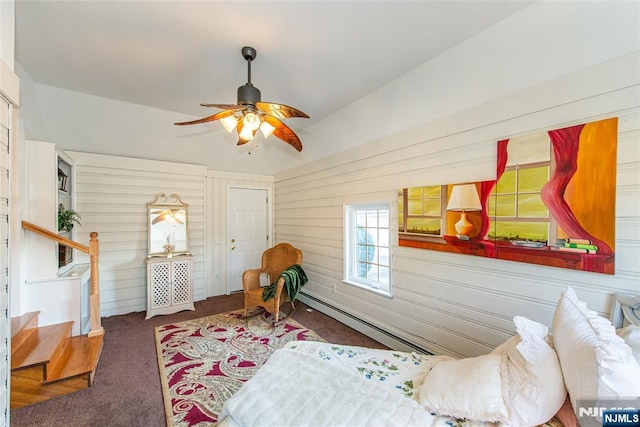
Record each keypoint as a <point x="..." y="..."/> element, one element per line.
<point x="167" y="226"/>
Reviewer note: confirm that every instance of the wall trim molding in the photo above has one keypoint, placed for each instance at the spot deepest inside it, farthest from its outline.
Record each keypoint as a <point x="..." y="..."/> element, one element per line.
<point x="238" y="175"/>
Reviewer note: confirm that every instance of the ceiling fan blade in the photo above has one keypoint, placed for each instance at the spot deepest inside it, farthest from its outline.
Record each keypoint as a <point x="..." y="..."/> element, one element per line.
<point x="284" y="132"/>
<point x="159" y="218"/>
<point x="225" y="106"/>
<point x="216" y="116"/>
<point x="279" y="111"/>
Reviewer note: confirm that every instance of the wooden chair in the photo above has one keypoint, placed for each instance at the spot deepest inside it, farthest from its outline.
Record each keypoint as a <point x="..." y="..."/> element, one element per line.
<point x="274" y="261"/>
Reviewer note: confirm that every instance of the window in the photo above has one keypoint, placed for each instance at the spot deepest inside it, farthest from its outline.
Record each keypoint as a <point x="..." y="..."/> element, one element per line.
<point x="367" y="249"/>
<point x="517" y="207"/>
<point x="420" y="210"/>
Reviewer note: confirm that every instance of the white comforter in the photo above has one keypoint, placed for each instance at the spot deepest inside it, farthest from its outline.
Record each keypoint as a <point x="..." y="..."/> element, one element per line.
<point x="297" y="389"/>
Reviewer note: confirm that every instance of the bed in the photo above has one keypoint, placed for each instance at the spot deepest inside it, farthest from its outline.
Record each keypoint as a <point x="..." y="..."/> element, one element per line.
<point x="534" y="378"/>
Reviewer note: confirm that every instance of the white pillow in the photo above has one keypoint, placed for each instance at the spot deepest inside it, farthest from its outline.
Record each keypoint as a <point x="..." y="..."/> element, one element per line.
<point x="596" y="363"/>
<point x="466" y="388"/>
<point x="631" y="336"/>
<point x="534" y="389"/>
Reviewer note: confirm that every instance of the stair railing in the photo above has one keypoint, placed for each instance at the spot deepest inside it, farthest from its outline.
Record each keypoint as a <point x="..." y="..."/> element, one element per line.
<point x="92" y="250"/>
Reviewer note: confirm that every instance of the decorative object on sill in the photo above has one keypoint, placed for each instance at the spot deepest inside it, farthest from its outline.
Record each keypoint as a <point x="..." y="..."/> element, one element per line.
<point x="64" y="255"/>
<point x="250" y="113"/>
<point x="464" y="198"/>
<point x="170" y="245"/>
<point x="66" y="218"/>
<point x="62" y="180"/>
<point x="527" y="244"/>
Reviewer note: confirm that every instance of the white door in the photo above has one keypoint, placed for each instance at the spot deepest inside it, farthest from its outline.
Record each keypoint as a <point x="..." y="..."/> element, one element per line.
<point x="247" y="232"/>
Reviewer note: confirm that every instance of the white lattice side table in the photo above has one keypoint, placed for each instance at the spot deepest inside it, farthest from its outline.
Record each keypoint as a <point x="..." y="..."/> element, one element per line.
<point x="169" y="285"/>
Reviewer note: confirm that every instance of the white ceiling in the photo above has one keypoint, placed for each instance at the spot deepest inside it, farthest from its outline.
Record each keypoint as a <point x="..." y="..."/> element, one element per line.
<point x="317" y="56"/>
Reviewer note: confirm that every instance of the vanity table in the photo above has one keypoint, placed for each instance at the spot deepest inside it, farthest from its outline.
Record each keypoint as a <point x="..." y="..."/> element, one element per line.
<point x="169" y="264"/>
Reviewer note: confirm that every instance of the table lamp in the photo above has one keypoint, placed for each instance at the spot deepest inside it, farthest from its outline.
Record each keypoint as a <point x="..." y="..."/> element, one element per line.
<point x="464" y="197"/>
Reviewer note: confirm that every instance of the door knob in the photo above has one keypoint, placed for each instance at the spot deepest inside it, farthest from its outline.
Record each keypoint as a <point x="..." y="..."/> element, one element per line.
<point x="233" y="247"/>
<point x="233" y="240"/>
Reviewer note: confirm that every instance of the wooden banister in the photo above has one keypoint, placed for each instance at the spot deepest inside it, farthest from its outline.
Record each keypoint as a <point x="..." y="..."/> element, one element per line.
<point x="54" y="236"/>
<point x="93" y="251"/>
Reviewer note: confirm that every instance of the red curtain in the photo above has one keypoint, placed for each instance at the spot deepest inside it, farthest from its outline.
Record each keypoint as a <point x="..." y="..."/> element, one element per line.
<point x="485" y="192"/>
<point x="487" y="186"/>
<point x="565" y="143"/>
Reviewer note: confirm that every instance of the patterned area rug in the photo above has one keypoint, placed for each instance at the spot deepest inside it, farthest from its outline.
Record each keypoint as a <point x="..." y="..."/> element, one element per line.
<point x="204" y="361"/>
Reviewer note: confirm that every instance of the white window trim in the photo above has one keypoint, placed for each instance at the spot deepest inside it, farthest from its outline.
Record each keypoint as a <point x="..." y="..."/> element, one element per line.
<point x="349" y="248"/>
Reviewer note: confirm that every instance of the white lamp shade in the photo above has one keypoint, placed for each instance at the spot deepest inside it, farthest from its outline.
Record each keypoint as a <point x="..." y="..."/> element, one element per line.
<point x="267" y="129"/>
<point x="248" y="126"/>
<point x="246" y="134"/>
<point x="229" y="123"/>
<point x="251" y="121"/>
<point x="464" y="198"/>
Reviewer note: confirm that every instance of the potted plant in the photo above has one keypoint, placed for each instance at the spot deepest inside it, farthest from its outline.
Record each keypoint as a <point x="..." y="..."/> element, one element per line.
<point x="66" y="218"/>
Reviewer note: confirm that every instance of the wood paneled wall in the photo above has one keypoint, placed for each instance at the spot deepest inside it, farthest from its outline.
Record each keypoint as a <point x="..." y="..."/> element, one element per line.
<point x="449" y="303"/>
<point x="112" y="196"/>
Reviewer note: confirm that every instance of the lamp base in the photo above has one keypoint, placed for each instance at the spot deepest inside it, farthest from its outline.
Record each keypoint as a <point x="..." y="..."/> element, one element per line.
<point x="463" y="227"/>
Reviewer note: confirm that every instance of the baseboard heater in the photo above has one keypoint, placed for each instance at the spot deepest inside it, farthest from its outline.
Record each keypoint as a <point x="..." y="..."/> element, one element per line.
<point x="364" y="324"/>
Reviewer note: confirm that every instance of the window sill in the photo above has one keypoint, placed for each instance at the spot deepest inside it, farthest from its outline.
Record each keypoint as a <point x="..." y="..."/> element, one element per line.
<point x="386" y="294"/>
<point x="422" y="238"/>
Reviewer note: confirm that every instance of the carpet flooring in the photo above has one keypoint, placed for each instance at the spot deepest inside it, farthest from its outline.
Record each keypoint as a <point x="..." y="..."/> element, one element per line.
<point x="127" y="388"/>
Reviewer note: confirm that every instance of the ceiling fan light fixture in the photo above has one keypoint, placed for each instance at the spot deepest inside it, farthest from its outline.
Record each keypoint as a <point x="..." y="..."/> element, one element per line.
<point x="229" y="123"/>
<point x="246" y="134"/>
<point x="251" y="121"/>
<point x="267" y="129"/>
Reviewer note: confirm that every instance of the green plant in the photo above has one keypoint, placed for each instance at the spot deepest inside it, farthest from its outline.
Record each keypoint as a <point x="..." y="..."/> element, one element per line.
<point x="66" y="218"/>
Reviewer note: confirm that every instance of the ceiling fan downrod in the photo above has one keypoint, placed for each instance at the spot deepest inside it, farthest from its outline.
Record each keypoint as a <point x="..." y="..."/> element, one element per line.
<point x="248" y="94"/>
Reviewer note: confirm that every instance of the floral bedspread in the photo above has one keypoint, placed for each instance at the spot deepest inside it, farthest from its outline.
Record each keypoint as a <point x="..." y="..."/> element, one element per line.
<point x="394" y="369"/>
<point x="401" y="371"/>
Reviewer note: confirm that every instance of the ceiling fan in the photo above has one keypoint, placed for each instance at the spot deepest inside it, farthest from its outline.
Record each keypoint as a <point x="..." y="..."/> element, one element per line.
<point x="173" y="215"/>
<point x="250" y="114"/>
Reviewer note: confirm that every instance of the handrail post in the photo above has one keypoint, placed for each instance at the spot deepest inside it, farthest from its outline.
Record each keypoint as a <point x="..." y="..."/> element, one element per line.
<point x="94" y="297"/>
